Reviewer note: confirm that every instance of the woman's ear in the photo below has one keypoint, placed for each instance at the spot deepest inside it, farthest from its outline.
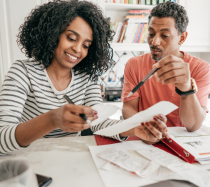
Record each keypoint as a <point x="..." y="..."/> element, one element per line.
<point x="183" y="37"/>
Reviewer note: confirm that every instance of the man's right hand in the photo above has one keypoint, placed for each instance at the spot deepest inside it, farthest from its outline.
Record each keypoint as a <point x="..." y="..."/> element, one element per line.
<point x="67" y="117"/>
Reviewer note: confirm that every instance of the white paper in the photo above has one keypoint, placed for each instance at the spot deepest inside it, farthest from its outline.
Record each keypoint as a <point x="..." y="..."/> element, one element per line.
<point x="163" y="107"/>
<point x="199" y="147"/>
<point x="182" y="131"/>
<point x="140" y="166"/>
<point x="114" y="176"/>
<point x="188" y="171"/>
<point x="104" y="112"/>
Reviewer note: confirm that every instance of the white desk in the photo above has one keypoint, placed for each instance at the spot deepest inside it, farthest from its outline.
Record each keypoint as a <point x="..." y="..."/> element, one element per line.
<point x="69" y="162"/>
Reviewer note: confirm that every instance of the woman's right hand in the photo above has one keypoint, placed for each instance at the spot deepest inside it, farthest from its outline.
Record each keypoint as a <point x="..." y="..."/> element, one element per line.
<point x="67" y="117"/>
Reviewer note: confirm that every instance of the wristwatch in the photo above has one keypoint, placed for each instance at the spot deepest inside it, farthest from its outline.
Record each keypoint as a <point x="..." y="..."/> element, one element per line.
<point x="194" y="89"/>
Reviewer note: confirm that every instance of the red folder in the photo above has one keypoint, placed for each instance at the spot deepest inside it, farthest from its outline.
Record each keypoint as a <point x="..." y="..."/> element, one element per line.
<point x="169" y="146"/>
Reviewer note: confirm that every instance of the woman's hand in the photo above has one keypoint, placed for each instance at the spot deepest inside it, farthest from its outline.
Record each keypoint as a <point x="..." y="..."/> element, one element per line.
<point x="153" y="131"/>
<point x="67" y="117"/>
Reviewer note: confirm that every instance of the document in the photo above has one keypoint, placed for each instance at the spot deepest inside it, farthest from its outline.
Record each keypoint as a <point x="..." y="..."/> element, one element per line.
<point x="182" y="132"/>
<point x="104" y="112"/>
<point x="137" y="165"/>
<point x="196" y="143"/>
<point x="189" y="172"/>
<point x="115" y="176"/>
<point x="163" y="107"/>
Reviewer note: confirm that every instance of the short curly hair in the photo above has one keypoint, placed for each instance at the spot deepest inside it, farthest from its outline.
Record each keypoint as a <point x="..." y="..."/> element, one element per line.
<point x="39" y="35"/>
<point x="174" y="10"/>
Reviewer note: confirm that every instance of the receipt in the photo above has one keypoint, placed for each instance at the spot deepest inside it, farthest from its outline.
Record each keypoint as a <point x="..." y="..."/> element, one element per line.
<point x="163" y="107"/>
<point x="189" y="172"/>
<point x="137" y="165"/>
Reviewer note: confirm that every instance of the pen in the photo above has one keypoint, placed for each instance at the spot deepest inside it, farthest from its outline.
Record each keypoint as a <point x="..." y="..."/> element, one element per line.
<point x="149" y="75"/>
<point x="83" y="116"/>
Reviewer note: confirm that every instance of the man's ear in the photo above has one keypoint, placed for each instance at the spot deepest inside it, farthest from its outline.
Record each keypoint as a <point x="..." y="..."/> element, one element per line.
<point x="183" y="37"/>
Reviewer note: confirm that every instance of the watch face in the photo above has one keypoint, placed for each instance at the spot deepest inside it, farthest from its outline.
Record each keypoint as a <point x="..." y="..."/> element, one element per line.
<point x="194" y="86"/>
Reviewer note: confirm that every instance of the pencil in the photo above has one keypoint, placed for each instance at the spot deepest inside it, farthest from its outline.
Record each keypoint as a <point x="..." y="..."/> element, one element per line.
<point x="83" y="116"/>
<point x="149" y="75"/>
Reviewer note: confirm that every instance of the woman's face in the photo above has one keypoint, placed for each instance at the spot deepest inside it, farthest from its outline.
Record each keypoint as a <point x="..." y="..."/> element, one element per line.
<point x="74" y="43"/>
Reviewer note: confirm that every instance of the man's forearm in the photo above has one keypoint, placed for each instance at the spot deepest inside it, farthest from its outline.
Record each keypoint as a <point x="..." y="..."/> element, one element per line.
<point x="191" y="113"/>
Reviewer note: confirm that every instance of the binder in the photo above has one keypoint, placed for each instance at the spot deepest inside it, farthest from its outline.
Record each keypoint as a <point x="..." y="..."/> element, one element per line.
<point x="169" y="146"/>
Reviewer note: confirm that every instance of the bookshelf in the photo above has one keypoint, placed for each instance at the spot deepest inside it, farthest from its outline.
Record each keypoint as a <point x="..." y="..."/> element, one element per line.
<point x="117" y="11"/>
<point x="126" y="7"/>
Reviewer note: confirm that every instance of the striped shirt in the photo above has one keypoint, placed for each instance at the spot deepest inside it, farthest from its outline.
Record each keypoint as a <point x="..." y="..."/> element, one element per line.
<point x="27" y="92"/>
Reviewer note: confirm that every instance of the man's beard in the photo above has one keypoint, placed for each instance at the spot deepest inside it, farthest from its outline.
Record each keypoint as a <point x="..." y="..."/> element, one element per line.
<point x="156" y="58"/>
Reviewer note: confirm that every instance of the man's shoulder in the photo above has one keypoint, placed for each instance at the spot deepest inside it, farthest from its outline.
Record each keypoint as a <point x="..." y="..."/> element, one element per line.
<point x="195" y="61"/>
<point x="139" y="60"/>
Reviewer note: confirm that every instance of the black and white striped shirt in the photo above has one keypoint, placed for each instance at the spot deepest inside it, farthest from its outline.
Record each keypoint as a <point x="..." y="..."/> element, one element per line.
<point x="27" y="92"/>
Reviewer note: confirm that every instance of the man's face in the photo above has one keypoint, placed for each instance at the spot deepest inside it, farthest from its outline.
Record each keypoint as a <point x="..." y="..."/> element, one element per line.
<point x="163" y="37"/>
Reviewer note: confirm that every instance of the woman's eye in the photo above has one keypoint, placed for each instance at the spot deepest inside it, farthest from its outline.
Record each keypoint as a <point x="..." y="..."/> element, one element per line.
<point x="151" y="35"/>
<point x="72" y="40"/>
<point x="86" y="47"/>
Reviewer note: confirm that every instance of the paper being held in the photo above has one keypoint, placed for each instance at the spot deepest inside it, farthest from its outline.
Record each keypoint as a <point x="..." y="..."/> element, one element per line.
<point x="104" y="112"/>
<point x="163" y="107"/>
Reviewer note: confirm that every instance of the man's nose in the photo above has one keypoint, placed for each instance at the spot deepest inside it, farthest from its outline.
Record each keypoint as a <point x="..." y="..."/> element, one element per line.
<point x="156" y="41"/>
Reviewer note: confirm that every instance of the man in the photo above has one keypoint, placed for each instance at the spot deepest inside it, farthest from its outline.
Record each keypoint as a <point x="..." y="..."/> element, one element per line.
<point x="177" y="69"/>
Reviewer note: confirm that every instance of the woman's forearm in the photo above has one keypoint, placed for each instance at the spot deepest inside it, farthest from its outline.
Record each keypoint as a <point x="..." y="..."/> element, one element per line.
<point x="34" y="129"/>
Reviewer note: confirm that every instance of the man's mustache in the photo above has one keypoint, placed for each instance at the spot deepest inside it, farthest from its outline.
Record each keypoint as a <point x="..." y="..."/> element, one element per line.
<point x="155" y="48"/>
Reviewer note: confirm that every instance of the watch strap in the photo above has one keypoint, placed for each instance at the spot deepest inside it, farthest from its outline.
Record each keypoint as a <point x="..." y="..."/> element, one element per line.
<point x="184" y="93"/>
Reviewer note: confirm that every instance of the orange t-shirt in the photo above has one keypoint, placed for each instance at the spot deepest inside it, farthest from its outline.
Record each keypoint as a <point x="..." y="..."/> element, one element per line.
<point x="153" y="92"/>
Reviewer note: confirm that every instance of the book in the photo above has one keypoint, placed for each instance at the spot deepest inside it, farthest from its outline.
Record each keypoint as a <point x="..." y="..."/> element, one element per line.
<point x="147" y="2"/>
<point x="140" y="33"/>
<point x="130" y="1"/>
<point x="123" y="34"/>
<point x="137" y="36"/>
<point x="135" y="16"/>
<point x="160" y="1"/>
<point x="120" y="34"/>
<point x="154" y="2"/>
<point x="125" y="1"/>
<point x="143" y="33"/>
<point x="139" y="11"/>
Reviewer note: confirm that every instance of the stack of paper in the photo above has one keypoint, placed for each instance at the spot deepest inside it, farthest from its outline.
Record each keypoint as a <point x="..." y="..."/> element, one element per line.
<point x="196" y="143"/>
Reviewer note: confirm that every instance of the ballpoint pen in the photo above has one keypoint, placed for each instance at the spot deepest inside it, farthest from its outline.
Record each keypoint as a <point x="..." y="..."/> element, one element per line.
<point x="149" y="75"/>
<point x="83" y="116"/>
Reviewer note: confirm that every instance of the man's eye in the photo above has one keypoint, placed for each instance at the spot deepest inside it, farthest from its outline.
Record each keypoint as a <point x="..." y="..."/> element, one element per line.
<point x="164" y="36"/>
<point x="151" y="35"/>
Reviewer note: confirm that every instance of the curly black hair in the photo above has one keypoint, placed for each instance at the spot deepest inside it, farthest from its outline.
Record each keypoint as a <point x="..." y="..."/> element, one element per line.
<point x="174" y="10"/>
<point x="39" y="35"/>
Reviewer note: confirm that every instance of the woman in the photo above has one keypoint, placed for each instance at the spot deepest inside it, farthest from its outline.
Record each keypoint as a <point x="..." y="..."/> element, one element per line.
<point x="67" y="43"/>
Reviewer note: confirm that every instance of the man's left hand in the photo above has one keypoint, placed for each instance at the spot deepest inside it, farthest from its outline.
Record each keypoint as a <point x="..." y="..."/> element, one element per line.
<point x="173" y="70"/>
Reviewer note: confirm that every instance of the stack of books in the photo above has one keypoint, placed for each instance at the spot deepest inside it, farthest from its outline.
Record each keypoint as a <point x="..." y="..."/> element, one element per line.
<point x="135" y="2"/>
<point x="133" y="29"/>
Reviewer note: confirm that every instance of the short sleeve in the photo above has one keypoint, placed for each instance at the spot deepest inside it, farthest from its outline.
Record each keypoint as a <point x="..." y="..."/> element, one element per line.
<point x="130" y="81"/>
<point x="201" y="74"/>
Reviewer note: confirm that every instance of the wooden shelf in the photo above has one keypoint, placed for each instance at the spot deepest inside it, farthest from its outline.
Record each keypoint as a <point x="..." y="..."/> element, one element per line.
<point x="145" y="47"/>
<point x="126" y="7"/>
